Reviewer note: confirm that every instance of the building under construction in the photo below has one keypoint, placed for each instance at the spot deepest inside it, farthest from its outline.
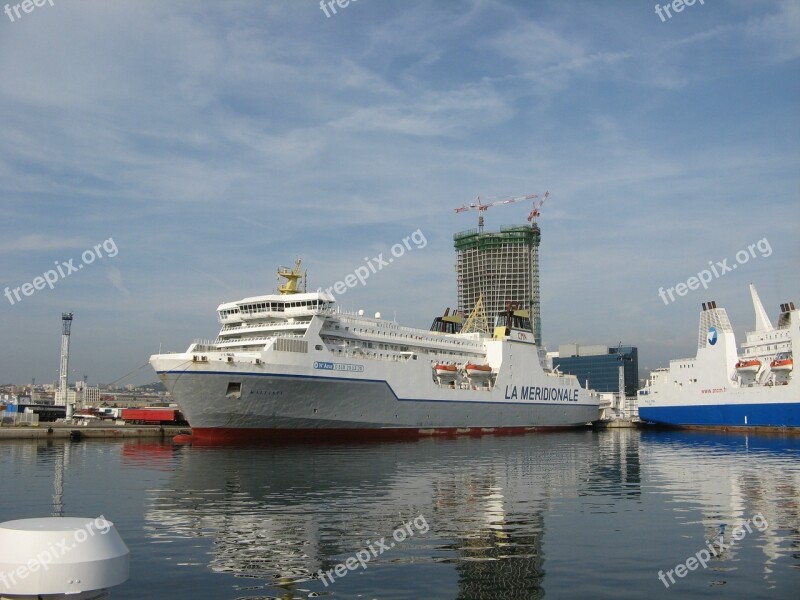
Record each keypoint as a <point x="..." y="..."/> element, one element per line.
<point x="503" y="267"/>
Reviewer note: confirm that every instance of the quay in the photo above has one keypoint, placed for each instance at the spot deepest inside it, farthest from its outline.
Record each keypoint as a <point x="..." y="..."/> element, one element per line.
<point x="50" y="431"/>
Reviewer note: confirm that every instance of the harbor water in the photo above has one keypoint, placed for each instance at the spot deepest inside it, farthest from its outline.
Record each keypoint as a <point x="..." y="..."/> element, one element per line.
<point x="620" y="513"/>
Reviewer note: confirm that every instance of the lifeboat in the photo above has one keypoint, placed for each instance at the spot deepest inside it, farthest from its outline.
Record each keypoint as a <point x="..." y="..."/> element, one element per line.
<point x="748" y="366"/>
<point x="781" y="364"/>
<point x="446" y="371"/>
<point x="474" y="370"/>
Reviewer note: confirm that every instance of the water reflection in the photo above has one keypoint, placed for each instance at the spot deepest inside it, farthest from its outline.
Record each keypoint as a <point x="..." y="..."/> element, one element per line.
<point x="730" y="480"/>
<point x="561" y="515"/>
<point x="282" y="514"/>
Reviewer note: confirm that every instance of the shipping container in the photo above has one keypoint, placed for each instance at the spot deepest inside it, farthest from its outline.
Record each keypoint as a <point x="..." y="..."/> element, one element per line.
<point x="153" y="416"/>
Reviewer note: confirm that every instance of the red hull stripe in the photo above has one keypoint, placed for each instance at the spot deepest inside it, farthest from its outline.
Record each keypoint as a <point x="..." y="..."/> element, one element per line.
<point x="233" y="436"/>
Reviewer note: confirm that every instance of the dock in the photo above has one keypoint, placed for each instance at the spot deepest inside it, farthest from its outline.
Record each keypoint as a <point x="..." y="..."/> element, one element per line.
<point x="623" y="423"/>
<point x="54" y="431"/>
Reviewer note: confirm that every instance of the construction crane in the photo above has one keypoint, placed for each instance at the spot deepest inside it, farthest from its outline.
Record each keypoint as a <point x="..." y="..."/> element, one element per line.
<point x="536" y="207"/>
<point x="482" y="208"/>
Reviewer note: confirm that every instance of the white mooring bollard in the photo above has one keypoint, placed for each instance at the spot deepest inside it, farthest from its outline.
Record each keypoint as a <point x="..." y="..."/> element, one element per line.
<point x="58" y="557"/>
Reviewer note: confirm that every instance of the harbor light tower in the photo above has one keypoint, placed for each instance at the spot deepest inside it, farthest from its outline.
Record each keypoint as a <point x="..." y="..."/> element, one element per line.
<point x="63" y="386"/>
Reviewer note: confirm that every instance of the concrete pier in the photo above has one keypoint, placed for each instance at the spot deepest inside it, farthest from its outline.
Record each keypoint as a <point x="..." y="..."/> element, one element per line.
<point x="46" y="431"/>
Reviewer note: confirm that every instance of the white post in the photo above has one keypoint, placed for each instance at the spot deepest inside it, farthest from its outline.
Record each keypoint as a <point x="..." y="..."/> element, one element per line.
<point x="63" y="386"/>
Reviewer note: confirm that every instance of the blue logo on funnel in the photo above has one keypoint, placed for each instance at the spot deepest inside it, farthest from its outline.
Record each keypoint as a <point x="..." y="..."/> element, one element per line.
<point x="712" y="335"/>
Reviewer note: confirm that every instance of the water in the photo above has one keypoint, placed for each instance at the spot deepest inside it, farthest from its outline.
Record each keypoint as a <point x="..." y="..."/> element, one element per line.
<point x="567" y="515"/>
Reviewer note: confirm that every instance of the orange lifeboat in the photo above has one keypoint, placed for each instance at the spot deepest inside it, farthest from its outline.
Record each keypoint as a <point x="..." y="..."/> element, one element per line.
<point x="474" y="370"/>
<point x="781" y="364"/>
<point x="446" y="371"/>
<point x="748" y="366"/>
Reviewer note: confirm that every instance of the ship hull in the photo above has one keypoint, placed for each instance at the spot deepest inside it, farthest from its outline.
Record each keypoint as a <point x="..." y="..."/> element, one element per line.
<point x="272" y="406"/>
<point x="771" y="415"/>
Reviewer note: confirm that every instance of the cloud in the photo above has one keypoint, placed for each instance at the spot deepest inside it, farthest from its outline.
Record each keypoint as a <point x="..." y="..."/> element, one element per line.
<point x="115" y="277"/>
<point x="776" y="34"/>
<point x="39" y="242"/>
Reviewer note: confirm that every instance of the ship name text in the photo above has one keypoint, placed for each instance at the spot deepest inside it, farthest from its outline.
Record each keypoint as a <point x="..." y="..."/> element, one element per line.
<point x="332" y="366"/>
<point x="541" y="394"/>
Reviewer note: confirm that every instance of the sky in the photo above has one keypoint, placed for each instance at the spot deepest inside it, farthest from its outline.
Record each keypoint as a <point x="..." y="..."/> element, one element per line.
<point x="160" y="158"/>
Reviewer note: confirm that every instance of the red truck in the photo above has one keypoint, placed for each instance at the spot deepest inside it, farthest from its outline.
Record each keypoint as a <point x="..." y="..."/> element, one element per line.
<point x="153" y="416"/>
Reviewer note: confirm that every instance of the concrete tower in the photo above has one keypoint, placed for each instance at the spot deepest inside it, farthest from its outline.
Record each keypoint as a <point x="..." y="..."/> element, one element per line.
<point x="63" y="385"/>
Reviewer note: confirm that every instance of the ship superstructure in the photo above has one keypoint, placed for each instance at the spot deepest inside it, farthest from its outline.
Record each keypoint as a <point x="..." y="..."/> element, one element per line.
<point x="293" y="364"/>
<point x="722" y="387"/>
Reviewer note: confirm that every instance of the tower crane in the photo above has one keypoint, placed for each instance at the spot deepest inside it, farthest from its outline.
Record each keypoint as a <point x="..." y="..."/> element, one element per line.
<point x="536" y="207"/>
<point x="482" y="208"/>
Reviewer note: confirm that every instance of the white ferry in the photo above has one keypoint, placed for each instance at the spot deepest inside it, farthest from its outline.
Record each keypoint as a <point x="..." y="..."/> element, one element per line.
<point x="292" y="365"/>
<point x="722" y="388"/>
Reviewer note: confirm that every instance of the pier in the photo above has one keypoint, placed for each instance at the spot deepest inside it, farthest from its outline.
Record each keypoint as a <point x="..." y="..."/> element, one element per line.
<point x="52" y="431"/>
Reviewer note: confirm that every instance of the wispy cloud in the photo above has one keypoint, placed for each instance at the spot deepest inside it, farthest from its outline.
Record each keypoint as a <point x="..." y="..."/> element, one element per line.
<point x="39" y="242"/>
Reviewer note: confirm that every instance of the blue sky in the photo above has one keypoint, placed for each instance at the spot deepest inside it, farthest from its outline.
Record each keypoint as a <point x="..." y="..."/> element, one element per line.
<point x="214" y="141"/>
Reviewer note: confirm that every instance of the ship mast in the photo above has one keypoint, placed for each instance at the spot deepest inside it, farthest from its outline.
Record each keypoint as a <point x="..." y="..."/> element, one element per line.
<point x="292" y="279"/>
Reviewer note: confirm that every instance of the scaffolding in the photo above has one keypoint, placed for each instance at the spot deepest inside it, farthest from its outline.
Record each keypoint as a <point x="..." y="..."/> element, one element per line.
<point x="503" y="267"/>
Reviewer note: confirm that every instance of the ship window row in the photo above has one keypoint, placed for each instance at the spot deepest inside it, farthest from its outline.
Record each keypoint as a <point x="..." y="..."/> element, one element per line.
<point x="376" y="356"/>
<point x="298" y="323"/>
<point x="772" y="337"/>
<point x="281" y="306"/>
<point x="361" y="345"/>
<point x="768" y="347"/>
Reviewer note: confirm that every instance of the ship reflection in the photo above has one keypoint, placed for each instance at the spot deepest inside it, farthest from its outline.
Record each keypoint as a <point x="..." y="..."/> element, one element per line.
<point x="280" y="515"/>
<point x="732" y="479"/>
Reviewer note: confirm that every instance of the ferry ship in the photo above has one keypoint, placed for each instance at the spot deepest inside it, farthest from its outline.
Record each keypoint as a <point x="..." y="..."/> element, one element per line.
<point x="293" y="365"/>
<point x="754" y="388"/>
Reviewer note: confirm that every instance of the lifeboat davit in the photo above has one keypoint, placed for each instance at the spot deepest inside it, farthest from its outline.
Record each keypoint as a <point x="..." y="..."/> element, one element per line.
<point x="474" y="370"/>
<point x="748" y="366"/>
<point x="781" y="364"/>
<point x="446" y="371"/>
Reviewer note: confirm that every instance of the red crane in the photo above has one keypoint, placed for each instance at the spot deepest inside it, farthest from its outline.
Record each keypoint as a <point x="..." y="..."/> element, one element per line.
<point x="482" y="208"/>
<point x="536" y="207"/>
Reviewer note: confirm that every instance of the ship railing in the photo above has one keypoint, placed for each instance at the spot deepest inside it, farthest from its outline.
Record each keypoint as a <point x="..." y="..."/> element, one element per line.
<point x="203" y="346"/>
<point x="353" y="318"/>
<point x="222" y="344"/>
<point x="401" y="357"/>
<point x="265" y="326"/>
<point x="408" y="336"/>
